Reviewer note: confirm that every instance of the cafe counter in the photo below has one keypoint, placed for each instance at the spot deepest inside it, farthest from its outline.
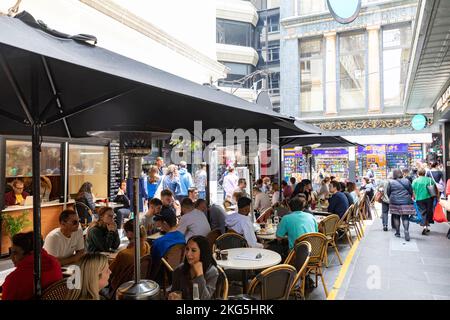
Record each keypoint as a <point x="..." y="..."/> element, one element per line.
<point x="50" y="212"/>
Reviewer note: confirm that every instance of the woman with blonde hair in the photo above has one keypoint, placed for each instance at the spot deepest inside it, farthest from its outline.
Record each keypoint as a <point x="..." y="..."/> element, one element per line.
<point x="94" y="277"/>
<point x="102" y="235"/>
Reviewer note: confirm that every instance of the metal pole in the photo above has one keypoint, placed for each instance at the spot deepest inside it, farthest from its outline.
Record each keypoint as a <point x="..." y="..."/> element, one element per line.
<point x="2" y="178"/>
<point x="65" y="173"/>
<point x="208" y="176"/>
<point x="135" y="163"/>
<point x="280" y="173"/>
<point x="36" y="208"/>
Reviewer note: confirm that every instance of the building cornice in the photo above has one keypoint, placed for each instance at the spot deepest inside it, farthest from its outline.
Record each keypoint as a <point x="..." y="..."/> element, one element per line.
<point x="237" y="10"/>
<point x="238" y="54"/>
<point x="131" y="20"/>
<point x="361" y="22"/>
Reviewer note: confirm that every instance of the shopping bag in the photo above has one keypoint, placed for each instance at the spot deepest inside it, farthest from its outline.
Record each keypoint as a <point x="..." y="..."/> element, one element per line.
<point x="439" y="214"/>
<point x="417" y="218"/>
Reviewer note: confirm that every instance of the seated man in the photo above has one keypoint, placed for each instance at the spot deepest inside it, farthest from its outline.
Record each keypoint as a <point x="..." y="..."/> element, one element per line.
<point x="193" y="194"/>
<point x="215" y="214"/>
<point x="17" y="195"/>
<point x="297" y="222"/>
<point x="147" y="221"/>
<point x="168" y="200"/>
<point x="166" y="220"/>
<point x="338" y="203"/>
<point x="125" y="257"/>
<point x="66" y="243"/>
<point x="262" y="200"/>
<point x="241" y="223"/>
<point x="193" y="222"/>
<point x="121" y="197"/>
<point x="19" y="285"/>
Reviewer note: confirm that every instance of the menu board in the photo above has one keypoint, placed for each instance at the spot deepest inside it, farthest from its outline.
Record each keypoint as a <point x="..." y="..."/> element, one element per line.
<point x="114" y="168"/>
<point x="397" y="156"/>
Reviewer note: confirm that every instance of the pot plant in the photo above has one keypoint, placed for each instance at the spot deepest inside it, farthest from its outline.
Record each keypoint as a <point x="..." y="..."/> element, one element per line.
<point x="13" y="225"/>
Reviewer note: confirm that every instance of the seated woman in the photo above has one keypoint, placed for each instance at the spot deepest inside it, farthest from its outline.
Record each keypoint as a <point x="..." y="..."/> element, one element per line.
<point x="199" y="267"/>
<point x="20" y="283"/>
<point x="102" y="235"/>
<point x="95" y="273"/>
<point x="86" y="197"/>
<point x="125" y="258"/>
<point x="46" y="188"/>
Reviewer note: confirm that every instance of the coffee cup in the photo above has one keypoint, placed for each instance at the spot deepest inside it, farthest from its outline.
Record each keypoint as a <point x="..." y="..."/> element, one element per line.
<point x="224" y="254"/>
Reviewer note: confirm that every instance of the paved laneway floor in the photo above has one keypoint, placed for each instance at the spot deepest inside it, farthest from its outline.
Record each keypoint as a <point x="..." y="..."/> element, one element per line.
<point x="386" y="267"/>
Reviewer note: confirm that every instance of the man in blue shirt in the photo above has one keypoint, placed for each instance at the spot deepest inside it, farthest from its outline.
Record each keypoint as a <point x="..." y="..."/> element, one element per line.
<point x="296" y="223"/>
<point x="186" y="181"/>
<point x="338" y="203"/>
<point x="166" y="220"/>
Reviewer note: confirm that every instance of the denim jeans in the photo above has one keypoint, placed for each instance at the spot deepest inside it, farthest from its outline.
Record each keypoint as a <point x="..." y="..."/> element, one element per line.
<point x="385" y="213"/>
<point x="202" y="194"/>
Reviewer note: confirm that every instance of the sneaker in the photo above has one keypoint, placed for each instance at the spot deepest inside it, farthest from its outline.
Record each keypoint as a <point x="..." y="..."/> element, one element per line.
<point x="385" y="228"/>
<point x="424" y="232"/>
<point x="397" y="235"/>
<point x="407" y="236"/>
<point x="428" y="230"/>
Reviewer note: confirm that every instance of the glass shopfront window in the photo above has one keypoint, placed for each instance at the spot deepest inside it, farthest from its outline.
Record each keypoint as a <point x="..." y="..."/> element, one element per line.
<point x="235" y="33"/>
<point x="396" y="48"/>
<point x="352" y="71"/>
<point x="311" y="75"/>
<point x="88" y="164"/>
<point x="237" y="72"/>
<point x="19" y="166"/>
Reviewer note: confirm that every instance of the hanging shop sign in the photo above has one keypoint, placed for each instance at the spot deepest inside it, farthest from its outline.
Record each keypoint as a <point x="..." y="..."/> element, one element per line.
<point x="344" y="11"/>
<point x="330" y="152"/>
<point x="419" y="122"/>
<point x="444" y="100"/>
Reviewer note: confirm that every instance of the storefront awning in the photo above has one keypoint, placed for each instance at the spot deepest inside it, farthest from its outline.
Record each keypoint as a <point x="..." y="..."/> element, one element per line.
<point x="78" y="87"/>
<point x="308" y="140"/>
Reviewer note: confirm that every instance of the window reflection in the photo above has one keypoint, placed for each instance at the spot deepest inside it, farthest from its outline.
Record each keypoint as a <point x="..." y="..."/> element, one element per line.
<point x="311" y="75"/>
<point x="396" y="48"/>
<point x="234" y="33"/>
<point x="352" y="71"/>
<point x="19" y="166"/>
<point x="88" y="164"/>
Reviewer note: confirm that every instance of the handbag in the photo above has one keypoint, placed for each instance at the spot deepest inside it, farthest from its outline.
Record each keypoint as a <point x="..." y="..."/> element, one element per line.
<point x="439" y="214"/>
<point x="417" y="218"/>
<point x="439" y="185"/>
<point x="432" y="189"/>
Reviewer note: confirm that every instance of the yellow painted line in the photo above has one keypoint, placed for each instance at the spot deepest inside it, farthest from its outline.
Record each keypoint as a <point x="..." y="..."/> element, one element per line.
<point x="341" y="276"/>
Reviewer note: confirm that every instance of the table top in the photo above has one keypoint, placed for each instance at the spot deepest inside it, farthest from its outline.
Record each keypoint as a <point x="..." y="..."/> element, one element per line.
<point x="269" y="259"/>
<point x="320" y="213"/>
<point x="273" y="236"/>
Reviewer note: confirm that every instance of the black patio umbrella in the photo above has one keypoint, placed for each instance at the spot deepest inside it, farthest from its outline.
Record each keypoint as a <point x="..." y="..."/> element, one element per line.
<point x="52" y="84"/>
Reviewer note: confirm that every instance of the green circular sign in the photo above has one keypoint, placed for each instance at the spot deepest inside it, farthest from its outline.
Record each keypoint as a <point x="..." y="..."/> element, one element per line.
<point x="419" y="122"/>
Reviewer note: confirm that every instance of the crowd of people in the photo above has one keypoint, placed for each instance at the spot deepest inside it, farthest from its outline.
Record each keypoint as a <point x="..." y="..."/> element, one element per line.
<point x="178" y="210"/>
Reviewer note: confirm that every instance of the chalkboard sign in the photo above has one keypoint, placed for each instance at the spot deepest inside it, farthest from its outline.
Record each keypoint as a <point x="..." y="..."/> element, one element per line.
<point x="114" y="168"/>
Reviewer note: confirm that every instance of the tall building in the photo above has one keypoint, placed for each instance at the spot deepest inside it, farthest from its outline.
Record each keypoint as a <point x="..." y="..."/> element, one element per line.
<point x="348" y="79"/>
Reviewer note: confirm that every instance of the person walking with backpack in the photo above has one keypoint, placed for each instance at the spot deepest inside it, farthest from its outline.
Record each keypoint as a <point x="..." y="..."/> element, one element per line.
<point x="401" y="205"/>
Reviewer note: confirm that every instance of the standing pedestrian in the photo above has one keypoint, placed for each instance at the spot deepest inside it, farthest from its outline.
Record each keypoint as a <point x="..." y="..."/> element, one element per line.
<point x="201" y="180"/>
<point x="424" y="199"/>
<point x="401" y="204"/>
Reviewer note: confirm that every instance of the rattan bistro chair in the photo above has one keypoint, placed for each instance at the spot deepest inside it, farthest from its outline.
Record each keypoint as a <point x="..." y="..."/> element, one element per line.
<point x="172" y="259"/>
<point x="56" y="291"/>
<point x="328" y="226"/>
<point x="230" y="240"/>
<point x="273" y="283"/>
<point x="344" y="225"/>
<point x="319" y="244"/>
<point x="299" y="258"/>
<point x="212" y="237"/>
<point x="221" y="285"/>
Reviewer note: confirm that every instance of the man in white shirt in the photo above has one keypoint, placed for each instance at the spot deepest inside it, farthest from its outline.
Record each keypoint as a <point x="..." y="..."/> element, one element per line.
<point x="241" y="223"/>
<point x="230" y="183"/>
<point x="66" y="243"/>
<point x="193" y="222"/>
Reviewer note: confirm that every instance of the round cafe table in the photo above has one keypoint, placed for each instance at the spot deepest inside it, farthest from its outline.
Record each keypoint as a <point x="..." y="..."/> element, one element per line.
<point x="273" y="235"/>
<point x="269" y="258"/>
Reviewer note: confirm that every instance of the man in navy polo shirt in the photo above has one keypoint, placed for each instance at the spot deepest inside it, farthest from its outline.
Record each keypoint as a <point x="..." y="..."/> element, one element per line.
<point x="338" y="203"/>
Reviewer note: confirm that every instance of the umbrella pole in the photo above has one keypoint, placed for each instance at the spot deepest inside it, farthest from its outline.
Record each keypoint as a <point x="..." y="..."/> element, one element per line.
<point x="36" y="150"/>
<point x="280" y="175"/>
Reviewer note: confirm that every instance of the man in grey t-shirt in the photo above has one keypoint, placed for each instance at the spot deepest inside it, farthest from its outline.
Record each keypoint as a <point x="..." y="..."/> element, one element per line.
<point x="215" y="214"/>
<point x="193" y="222"/>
